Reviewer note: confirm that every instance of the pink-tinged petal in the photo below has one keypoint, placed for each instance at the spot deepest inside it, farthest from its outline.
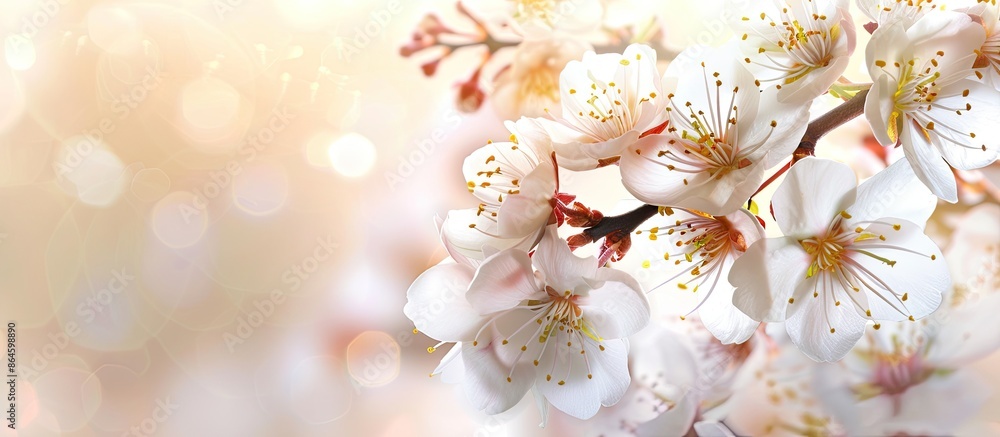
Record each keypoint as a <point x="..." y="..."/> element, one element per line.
<point x="928" y="164"/>
<point x="562" y="270"/>
<point x="812" y="194"/>
<point x="922" y="276"/>
<point x="529" y="210"/>
<point x="879" y="106"/>
<point x="895" y="192"/>
<point x="822" y="330"/>
<point x="617" y="308"/>
<point x="436" y="303"/>
<point x="451" y="368"/>
<point x="766" y="276"/>
<point x="966" y="334"/>
<point x="502" y="282"/>
<point x="663" y="364"/>
<point x="486" y="373"/>
<point x="580" y="395"/>
<point x="938" y="406"/>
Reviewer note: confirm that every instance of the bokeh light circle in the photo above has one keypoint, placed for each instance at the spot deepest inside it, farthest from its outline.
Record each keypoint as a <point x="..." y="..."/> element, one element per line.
<point x="352" y="155"/>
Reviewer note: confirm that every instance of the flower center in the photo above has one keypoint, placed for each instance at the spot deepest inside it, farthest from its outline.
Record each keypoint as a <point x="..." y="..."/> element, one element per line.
<point x="897" y="372"/>
<point x="826" y="252"/>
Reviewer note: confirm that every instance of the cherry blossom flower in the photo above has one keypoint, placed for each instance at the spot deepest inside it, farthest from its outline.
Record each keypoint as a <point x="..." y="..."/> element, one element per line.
<point x="915" y="379"/>
<point x="530" y="86"/>
<point x="922" y="99"/>
<point x="799" y="46"/>
<point x="515" y="183"/>
<point x="693" y="253"/>
<point x="776" y="397"/>
<point x="723" y="135"/>
<point x="850" y="254"/>
<point x="561" y="329"/>
<point x="608" y="102"/>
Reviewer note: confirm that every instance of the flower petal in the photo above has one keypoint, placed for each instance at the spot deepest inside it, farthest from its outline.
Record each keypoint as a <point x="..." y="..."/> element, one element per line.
<point x="812" y="194"/>
<point x="470" y="234"/>
<point x="928" y="164"/>
<point x="581" y="396"/>
<point x="502" y="282"/>
<point x="562" y="270"/>
<point x="529" y="210"/>
<point x="618" y="308"/>
<point x="922" y="276"/>
<point x="486" y="384"/>
<point x="437" y="305"/>
<point x="766" y="276"/>
<point x="821" y="330"/>
<point x="896" y="192"/>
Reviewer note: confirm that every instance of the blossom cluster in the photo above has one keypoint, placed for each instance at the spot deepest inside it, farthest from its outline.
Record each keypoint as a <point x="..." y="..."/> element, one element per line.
<point x="832" y="270"/>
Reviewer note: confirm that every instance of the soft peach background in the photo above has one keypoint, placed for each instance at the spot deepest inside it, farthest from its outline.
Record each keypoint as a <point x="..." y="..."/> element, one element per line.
<point x="129" y="296"/>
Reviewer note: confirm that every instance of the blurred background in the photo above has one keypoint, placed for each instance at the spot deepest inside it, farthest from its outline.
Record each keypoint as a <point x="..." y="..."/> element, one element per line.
<point x="211" y="209"/>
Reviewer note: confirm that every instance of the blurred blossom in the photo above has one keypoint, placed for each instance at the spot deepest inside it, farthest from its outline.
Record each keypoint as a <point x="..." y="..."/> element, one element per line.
<point x="529" y="87"/>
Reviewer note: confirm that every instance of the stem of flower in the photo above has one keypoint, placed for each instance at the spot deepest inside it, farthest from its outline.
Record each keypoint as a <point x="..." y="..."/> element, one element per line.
<point x="819" y="127"/>
<point x="626" y="222"/>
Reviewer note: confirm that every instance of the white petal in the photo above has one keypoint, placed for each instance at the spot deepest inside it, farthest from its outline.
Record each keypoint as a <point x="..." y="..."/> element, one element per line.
<point x="921" y="278"/>
<point x="502" y="282"/>
<point x="981" y="120"/>
<point x="712" y="429"/>
<point x="953" y="33"/>
<point x="766" y="276"/>
<point x="618" y="308"/>
<point x="966" y="334"/>
<point x="562" y="270"/>
<point x="895" y="192"/>
<point x="647" y="176"/>
<point x="479" y="166"/>
<point x="821" y="330"/>
<point x="528" y="211"/>
<point x="486" y="383"/>
<point x="879" y="105"/>
<point x="792" y="121"/>
<point x="437" y="305"/>
<point x="726" y="322"/>
<point x="580" y="396"/>
<point x="928" y="164"/>
<point x="472" y="235"/>
<point x="812" y="194"/>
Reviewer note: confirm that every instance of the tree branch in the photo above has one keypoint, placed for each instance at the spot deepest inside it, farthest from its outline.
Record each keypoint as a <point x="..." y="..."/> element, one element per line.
<point x="626" y="222"/>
